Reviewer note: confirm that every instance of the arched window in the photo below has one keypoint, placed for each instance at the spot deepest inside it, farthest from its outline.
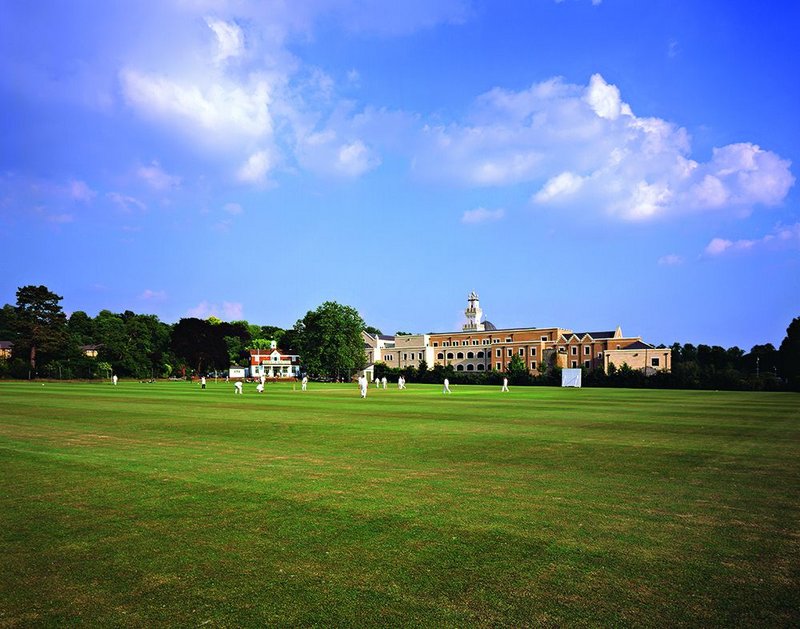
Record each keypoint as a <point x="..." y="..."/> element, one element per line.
<point x="480" y="366"/>
<point x="440" y="356"/>
<point x="480" y="354"/>
<point x="460" y="355"/>
<point x="460" y="368"/>
<point x="450" y="355"/>
<point x="470" y="355"/>
<point x="470" y="367"/>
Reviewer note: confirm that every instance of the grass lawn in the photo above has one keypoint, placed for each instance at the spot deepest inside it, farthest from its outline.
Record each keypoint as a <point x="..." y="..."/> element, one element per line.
<point x="161" y="504"/>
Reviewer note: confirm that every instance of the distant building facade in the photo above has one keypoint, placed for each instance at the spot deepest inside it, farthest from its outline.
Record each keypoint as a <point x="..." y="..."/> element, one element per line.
<point x="272" y="363"/>
<point x="480" y="346"/>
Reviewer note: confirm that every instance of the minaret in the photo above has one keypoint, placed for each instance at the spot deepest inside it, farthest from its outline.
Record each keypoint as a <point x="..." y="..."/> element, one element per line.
<point x="474" y="314"/>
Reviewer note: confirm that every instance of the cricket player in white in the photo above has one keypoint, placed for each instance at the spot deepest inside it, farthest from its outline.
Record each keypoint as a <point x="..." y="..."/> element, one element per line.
<point x="505" y="385"/>
<point x="446" y="388"/>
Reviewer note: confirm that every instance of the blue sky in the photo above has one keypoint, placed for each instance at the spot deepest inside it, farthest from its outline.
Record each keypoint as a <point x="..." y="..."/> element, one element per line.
<point x="578" y="163"/>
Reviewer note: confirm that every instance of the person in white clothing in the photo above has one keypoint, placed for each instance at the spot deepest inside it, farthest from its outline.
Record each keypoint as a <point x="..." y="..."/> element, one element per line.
<point x="304" y="383"/>
<point x="202" y="382"/>
<point x="237" y="387"/>
<point x="446" y="388"/>
<point x="362" y="385"/>
<point x="383" y="382"/>
<point x="114" y="379"/>
<point x="260" y="387"/>
<point x="505" y="385"/>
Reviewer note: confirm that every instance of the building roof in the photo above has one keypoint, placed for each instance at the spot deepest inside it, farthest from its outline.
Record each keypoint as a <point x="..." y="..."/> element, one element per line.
<point x="386" y="337"/>
<point x="488" y="325"/>
<point x="6" y="344"/>
<point x="639" y="345"/>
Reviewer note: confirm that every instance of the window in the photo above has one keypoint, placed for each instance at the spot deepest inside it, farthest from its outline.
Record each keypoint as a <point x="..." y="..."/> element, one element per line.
<point x="497" y="366"/>
<point x="475" y="341"/>
<point x="450" y="355"/>
<point x="544" y="338"/>
<point x="470" y="367"/>
<point x="617" y="346"/>
<point x="487" y="341"/>
<point x="460" y="355"/>
<point x="460" y="368"/>
<point x="435" y="344"/>
<point x="405" y="356"/>
<point x="508" y="339"/>
<point x="495" y="340"/>
<point x="470" y="355"/>
<point x="440" y="356"/>
<point x="586" y="363"/>
<point x="533" y="365"/>
<point x="499" y="353"/>
<point x="574" y="349"/>
<point x="480" y="366"/>
<point x="654" y="362"/>
<point x="521" y="351"/>
<point x="510" y="352"/>
<point x="463" y="343"/>
<point x="533" y="351"/>
<point x="587" y="351"/>
<point x="599" y="355"/>
<point x="574" y="364"/>
<point x="480" y="354"/>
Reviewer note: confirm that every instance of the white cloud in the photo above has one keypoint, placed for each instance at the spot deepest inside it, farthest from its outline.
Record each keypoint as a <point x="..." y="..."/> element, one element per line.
<point x="157" y="178"/>
<point x="582" y="147"/>
<point x="233" y="208"/>
<point x="781" y="236"/>
<point x="482" y="215"/>
<point x="126" y="203"/>
<point x="255" y="169"/>
<point x="220" y="108"/>
<point x="228" y="311"/>
<point x="153" y="295"/>
<point x="230" y="39"/>
<point x="559" y="186"/>
<point x="670" y="260"/>
<point x="79" y="191"/>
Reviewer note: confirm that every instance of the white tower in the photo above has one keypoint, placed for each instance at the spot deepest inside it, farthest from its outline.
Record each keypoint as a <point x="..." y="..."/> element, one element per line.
<point x="474" y="314"/>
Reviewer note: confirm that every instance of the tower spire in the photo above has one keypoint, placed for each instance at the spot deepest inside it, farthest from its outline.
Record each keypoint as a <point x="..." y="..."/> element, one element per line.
<point x="474" y="314"/>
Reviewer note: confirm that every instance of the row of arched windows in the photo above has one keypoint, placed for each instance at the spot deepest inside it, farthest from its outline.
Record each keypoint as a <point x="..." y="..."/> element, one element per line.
<point x="459" y="355"/>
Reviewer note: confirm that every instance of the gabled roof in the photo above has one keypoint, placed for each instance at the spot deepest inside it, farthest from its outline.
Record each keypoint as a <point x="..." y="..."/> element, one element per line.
<point x="6" y="344"/>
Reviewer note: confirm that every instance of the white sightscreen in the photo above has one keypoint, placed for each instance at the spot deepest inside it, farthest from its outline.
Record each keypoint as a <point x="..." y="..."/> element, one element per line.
<point x="571" y="378"/>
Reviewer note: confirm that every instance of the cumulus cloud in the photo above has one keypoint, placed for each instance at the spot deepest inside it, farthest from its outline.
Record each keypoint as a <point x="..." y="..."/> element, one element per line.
<point x="255" y="169"/>
<point x="781" y="236"/>
<point x="157" y="178"/>
<point x="482" y="215"/>
<point x="230" y="39"/>
<point x="228" y="311"/>
<point x="582" y="147"/>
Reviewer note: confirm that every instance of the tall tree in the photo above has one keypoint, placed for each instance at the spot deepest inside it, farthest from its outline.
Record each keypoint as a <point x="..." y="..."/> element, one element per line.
<point x="40" y="321"/>
<point x="329" y="340"/>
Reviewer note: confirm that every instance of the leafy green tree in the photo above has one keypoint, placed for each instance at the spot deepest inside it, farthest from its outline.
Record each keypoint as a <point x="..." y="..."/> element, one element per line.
<point x="201" y="345"/>
<point x="8" y="323"/>
<point x="329" y="340"/>
<point x="372" y="330"/>
<point x="516" y="370"/>
<point x="41" y="323"/>
<point x="81" y="328"/>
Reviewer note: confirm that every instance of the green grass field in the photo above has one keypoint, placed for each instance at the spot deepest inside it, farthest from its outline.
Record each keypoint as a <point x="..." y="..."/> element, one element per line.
<point x="161" y="504"/>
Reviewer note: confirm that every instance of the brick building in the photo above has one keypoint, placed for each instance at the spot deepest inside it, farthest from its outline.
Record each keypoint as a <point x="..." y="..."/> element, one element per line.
<point x="480" y="346"/>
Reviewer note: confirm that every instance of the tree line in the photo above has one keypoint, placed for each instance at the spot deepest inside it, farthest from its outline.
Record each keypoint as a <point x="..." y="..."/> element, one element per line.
<point x="48" y="343"/>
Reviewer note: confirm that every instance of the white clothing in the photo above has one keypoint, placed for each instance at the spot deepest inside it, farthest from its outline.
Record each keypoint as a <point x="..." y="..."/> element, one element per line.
<point x="237" y="387"/>
<point x="304" y="383"/>
<point x="260" y="387"/>
<point x="383" y="382"/>
<point x="505" y="385"/>
<point x="446" y="388"/>
<point x="114" y="379"/>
